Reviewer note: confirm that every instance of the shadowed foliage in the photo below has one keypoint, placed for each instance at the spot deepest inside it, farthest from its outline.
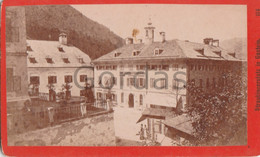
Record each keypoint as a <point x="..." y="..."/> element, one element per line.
<point x="219" y="114"/>
<point x="46" y="22"/>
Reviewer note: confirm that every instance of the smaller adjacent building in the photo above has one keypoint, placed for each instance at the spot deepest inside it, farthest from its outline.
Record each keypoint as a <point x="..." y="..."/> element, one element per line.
<point x="54" y="64"/>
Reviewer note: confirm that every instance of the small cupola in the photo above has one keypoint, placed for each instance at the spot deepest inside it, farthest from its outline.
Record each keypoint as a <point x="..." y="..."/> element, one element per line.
<point x="63" y="39"/>
<point x="149" y="33"/>
<point x="129" y="41"/>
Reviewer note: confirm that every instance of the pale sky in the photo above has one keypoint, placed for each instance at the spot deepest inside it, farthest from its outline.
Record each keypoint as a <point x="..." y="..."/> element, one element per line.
<point x="184" y="22"/>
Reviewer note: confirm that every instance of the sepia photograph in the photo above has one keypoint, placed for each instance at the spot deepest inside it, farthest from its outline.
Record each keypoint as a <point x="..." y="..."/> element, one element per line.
<point x="126" y="75"/>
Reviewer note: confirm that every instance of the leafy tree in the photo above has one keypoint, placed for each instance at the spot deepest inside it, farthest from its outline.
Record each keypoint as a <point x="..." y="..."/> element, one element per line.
<point x="89" y="93"/>
<point x="217" y="112"/>
<point x="67" y="88"/>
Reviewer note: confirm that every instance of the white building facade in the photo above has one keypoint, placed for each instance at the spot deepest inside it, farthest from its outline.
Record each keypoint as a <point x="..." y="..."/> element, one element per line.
<point x="148" y="80"/>
<point x="57" y="63"/>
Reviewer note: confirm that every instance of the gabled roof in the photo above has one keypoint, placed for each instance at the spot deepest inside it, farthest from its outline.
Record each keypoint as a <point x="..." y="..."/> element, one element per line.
<point x="181" y="122"/>
<point x="171" y="49"/>
<point x="42" y="49"/>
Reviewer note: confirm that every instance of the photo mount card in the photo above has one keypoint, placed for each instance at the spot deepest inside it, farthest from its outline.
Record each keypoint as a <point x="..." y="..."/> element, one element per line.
<point x="142" y="78"/>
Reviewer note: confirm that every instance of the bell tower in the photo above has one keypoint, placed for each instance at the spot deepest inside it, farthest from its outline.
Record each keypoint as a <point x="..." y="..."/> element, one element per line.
<point x="149" y="33"/>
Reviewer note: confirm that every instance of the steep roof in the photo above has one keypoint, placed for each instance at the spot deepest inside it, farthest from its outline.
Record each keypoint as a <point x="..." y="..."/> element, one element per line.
<point x="41" y="49"/>
<point x="171" y="49"/>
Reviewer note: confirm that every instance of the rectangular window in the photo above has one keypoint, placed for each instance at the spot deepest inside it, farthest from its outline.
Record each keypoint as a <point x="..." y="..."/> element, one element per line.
<point x="122" y="97"/>
<point x="153" y="67"/>
<point x="141" y="99"/>
<point x="131" y="81"/>
<point x="157" y="127"/>
<point x="49" y="60"/>
<point x="163" y="83"/>
<point x="175" y="67"/>
<point x="213" y="82"/>
<point x="201" y="83"/>
<point x="29" y="48"/>
<point x="66" y="60"/>
<point x="68" y="78"/>
<point x="114" y="80"/>
<point x="149" y="124"/>
<point x="35" y="80"/>
<point x="99" y="96"/>
<point x="141" y="82"/>
<point x="152" y="82"/>
<point x="83" y="78"/>
<point x="82" y="92"/>
<point x="128" y="82"/>
<point x="114" y="67"/>
<point x="130" y="67"/>
<point x="221" y="82"/>
<point x="12" y="33"/>
<point x="32" y="60"/>
<point x="158" y="51"/>
<point x="114" y="97"/>
<point x="165" y="67"/>
<point x="121" y="67"/>
<point x="193" y="82"/>
<point x="206" y="67"/>
<point x="9" y="80"/>
<point x="81" y="61"/>
<point x="52" y="79"/>
<point x="207" y="84"/>
<point x="60" y="49"/>
<point x="17" y="83"/>
<point x="191" y="67"/>
<point x="200" y="67"/>
<point x="174" y="84"/>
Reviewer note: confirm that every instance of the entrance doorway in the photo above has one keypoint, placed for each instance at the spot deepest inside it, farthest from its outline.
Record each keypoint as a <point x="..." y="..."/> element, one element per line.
<point x="131" y="101"/>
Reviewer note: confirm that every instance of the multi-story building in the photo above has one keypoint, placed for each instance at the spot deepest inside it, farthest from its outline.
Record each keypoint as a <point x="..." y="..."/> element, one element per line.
<point x="53" y="64"/>
<point x="148" y="80"/>
<point x="16" y="59"/>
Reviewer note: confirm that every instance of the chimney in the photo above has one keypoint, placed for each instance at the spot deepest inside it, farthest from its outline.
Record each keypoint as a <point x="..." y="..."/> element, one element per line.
<point x="128" y="41"/>
<point x="162" y="36"/>
<point x="215" y="42"/>
<point x="208" y="41"/>
<point x="63" y="39"/>
<point x="139" y="41"/>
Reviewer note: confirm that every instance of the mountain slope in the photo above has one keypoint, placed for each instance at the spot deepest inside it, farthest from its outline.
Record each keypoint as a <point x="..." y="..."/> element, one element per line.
<point x="46" y="22"/>
<point x="237" y="45"/>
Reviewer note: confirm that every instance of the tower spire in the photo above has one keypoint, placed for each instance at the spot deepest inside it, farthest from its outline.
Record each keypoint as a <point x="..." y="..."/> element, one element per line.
<point x="149" y="32"/>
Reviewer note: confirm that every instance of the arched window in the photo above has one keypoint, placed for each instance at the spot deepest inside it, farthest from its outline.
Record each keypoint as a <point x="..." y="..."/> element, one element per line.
<point x="141" y="99"/>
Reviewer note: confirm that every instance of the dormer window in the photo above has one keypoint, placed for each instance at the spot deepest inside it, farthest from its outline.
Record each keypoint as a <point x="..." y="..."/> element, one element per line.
<point x="218" y="53"/>
<point x="66" y="60"/>
<point x="232" y="54"/>
<point x="29" y="48"/>
<point x="49" y="60"/>
<point x="136" y="53"/>
<point x="158" y="51"/>
<point x="32" y="60"/>
<point x="117" y="54"/>
<point x="61" y="49"/>
<point x="81" y="61"/>
<point x="200" y="50"/>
